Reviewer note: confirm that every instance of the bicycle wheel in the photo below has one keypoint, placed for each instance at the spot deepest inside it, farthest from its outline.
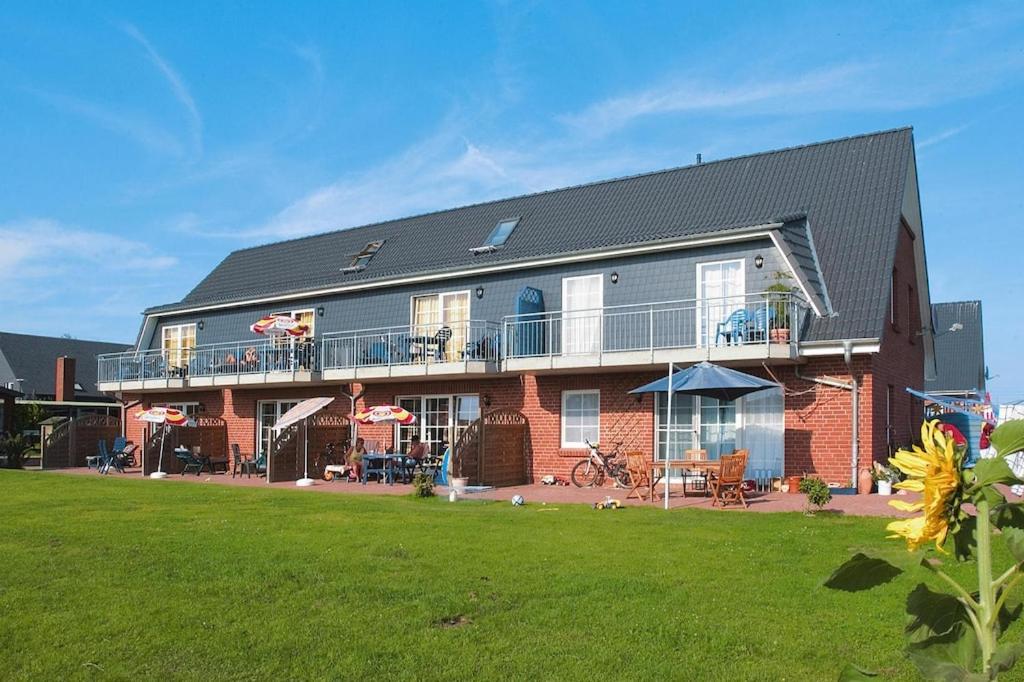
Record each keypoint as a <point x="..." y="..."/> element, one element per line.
<point x="622" y="478"/>
<point x="584" y="474"/>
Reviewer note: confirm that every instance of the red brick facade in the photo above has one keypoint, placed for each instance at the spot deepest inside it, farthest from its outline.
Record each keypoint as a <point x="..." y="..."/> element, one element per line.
<point x="818" y="418"/>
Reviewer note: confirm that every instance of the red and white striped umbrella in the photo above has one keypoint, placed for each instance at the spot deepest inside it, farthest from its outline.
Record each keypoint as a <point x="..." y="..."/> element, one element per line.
<point x="163" y="415"/>
<point x="383" y="414"/>
<point x="279" y="325"/>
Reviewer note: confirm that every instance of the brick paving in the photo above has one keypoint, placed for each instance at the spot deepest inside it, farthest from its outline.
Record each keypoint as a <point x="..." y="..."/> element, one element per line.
<point x="857" y="505"/>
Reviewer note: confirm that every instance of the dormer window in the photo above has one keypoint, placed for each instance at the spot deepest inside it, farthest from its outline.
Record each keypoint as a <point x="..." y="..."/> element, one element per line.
<point x="363" y="258"/>
<point x="499" y="235"/>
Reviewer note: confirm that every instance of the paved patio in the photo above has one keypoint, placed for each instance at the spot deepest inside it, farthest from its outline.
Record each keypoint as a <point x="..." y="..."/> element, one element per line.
<point x="859" y="505"/>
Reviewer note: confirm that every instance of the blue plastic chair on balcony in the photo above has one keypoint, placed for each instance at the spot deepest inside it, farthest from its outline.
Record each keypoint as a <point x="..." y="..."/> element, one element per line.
<point x="378" y="353"/>
<point x="763" y="322"/>
<point x="733" y="329"/>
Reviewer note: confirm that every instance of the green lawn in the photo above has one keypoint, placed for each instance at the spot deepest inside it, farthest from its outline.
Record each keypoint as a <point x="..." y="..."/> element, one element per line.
<point x="114" y="578"/>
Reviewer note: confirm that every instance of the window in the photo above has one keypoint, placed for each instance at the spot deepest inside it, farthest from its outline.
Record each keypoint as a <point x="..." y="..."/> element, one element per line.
<point x="721" y="288"/>
<point x="177" y="343"/>
<point x="438" y="417"/>
<point x="499" y="235"/>
<point x="269" y="412"/>
<point x="363" y="258"/>
<point x="432" y="312"/>
<point x="894" y="304"/>
<point x="581" y="418"/>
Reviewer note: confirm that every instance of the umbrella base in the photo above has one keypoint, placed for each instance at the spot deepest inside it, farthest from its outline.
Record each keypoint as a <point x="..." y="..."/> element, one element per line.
<point x="305" y="482"/>
<point x="158" y="474"/>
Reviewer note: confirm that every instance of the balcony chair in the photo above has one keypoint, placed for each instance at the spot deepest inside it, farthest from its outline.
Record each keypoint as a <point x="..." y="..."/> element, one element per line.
<point x="487" y="348"/>
<point x="191" y="461"/>
<point x="378" y="353"/>
<point x="733" y="328"/>
<point x="763" y="321"/>
<point x="440" y="343"/>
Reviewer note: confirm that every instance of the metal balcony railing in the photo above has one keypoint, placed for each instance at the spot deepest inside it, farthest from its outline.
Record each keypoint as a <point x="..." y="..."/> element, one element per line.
<point x="761" y="318"/>
<point x="221" y="359"/>
<point x="471" y="341"/>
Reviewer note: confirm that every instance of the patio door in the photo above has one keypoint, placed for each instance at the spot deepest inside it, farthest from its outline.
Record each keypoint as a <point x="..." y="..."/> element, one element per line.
<point x="268" y="412"/>
<point x="763" y="433"/>
<point x="582" y="301"/>
<point x="721" y="290"/>
<point x="438" y="418"/>
<point x="717" y="426"/>
<point x="431" y="313"/>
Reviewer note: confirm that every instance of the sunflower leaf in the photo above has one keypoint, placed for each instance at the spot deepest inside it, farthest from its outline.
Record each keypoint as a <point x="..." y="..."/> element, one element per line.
<point x="1008" y="437"/>
<point x="1008" y="514"/>
<point x="995" y="470"/>
<point x="940" y="638"/>
<point x="965" y="539"/>
<point x="1014" y="539"/>
<point x="1006" y="655"/>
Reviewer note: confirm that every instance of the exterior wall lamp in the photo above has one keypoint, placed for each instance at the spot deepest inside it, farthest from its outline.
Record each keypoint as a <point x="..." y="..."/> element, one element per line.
<point x="615" y="278"/>
<point x="320" y="311"/>
<point x="758" y="261"/>
<point x="200" y="324"/>
<point x="479" y="292"/>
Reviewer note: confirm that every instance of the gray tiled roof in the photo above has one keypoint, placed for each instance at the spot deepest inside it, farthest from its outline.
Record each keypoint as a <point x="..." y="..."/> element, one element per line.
<point x="851" y="191"/>
<point x="33" y="359"/>
<point x="959" y="355"/>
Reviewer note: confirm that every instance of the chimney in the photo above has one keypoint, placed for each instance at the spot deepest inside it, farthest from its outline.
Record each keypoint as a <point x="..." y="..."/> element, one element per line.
<point x="65" y="384"/>
<point x="700" y="158"/>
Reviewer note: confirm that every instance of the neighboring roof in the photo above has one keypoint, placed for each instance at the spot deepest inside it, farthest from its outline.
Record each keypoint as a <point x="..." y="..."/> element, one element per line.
<point x="33" y="359"/>
<point x="851" y="191"/>
<point x="959" y="352"/>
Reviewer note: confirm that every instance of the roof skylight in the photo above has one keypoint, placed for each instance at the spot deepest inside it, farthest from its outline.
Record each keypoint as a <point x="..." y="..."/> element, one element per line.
<point x="499" y="235"/>
<point x="363" y="258"/>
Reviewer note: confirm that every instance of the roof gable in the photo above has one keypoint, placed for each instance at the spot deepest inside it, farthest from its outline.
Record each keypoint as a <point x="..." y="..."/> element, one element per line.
<point x="959" y="347"/>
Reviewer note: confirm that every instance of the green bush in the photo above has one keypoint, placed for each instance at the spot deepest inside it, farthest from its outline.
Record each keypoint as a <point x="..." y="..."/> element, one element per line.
<point x="818" y="493"/>
<point x="13" y="450"/>
<point x="422" y="485"/>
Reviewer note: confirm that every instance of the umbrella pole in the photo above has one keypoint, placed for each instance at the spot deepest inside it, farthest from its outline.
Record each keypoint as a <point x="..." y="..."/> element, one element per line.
<point x="668" y="439"/>
<point x="159" y="473"/>
<point x="305" y="480"/>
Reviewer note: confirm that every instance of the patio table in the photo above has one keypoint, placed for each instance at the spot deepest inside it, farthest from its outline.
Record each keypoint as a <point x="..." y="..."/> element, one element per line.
<point x="387" y="465"/>
<point x="658" y="469"/>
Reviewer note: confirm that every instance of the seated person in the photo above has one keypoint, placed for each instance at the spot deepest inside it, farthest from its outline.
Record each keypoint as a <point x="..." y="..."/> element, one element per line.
<point x="354" y="457"/>
<point x="417" y="451"/>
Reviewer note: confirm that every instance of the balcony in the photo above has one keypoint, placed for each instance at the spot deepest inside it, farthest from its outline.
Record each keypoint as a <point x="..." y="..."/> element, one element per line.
<point x="252" y="362"/>
<point x="470" y="348"/>
<point x="754" y="327"/>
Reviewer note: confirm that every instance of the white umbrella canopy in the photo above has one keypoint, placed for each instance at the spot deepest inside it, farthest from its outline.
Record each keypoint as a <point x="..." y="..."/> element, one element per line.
<point x="301" y="412"/>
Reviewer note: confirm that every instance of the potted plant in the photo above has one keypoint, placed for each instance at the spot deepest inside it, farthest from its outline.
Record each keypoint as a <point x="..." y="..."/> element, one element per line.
<point x="884" y="477"/>
<point x="778" y="296"/>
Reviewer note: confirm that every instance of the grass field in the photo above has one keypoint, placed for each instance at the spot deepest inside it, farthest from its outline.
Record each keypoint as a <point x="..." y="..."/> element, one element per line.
<point x="111" y="578"/>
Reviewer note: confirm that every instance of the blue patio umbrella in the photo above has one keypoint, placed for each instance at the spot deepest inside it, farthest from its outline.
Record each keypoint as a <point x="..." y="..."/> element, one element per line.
<point x="704" y="379"/>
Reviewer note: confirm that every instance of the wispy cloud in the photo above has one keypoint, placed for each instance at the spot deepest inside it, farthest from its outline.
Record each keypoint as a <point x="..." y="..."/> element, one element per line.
<point x="705" y="95"/>
<point x="942" y="136"/>
<point x="177" y="84"/>
<point x="58" y="278"/>
<point x="136" y="128"/>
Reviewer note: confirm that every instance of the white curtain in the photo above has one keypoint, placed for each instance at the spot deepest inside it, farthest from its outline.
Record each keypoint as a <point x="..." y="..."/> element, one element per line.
<point x="582" y="300"/>
<point x="763" y="433"/>
<point x="722" y="291"/>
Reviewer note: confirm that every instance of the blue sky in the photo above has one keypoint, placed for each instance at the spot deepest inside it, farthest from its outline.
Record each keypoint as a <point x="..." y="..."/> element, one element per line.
<point x="141" y="142"/>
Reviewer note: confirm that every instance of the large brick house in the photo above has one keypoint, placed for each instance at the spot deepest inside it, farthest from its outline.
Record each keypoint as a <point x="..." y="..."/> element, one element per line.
<point x="806" y="265"/>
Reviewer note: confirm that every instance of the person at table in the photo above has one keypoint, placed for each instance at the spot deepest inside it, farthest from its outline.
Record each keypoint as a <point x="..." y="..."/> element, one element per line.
<point x="417" y="451"/>
<point x="354" y="457"/>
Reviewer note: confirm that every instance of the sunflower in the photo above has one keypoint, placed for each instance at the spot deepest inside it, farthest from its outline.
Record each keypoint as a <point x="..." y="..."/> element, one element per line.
<point x="934" y="471"/>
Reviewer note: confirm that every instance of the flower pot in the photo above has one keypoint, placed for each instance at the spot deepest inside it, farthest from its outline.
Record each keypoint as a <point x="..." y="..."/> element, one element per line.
<point x="459" y="484"/>
<point x="884" y="488"/>
<point x="794" y="484"/>
<point x="864" y="482"/>
<point x="780" y="335"/>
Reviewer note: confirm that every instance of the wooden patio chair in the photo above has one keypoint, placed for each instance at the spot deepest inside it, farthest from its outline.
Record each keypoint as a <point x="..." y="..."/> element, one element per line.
<point x="727" y="487"/>
<point x="697" y="455"/>
<point x="639" y="476"/>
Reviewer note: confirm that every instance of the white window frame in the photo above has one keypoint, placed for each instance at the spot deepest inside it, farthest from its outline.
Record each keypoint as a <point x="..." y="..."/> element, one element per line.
<point x="182" y="354"/>
<point x="567" y="348"/>
<point x="453" y="399"/>
<point x="703" y="334"/>
<point x="570" y="445"/>
<point x="440" y="296"/>
<point x="258" y="449"/>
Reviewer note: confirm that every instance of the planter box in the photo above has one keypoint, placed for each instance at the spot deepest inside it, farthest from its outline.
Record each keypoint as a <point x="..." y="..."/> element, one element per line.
<point x="843" y="491"/>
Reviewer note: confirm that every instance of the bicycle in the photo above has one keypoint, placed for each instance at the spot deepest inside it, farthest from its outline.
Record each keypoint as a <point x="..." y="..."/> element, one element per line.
<point x="592" y="471"/>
